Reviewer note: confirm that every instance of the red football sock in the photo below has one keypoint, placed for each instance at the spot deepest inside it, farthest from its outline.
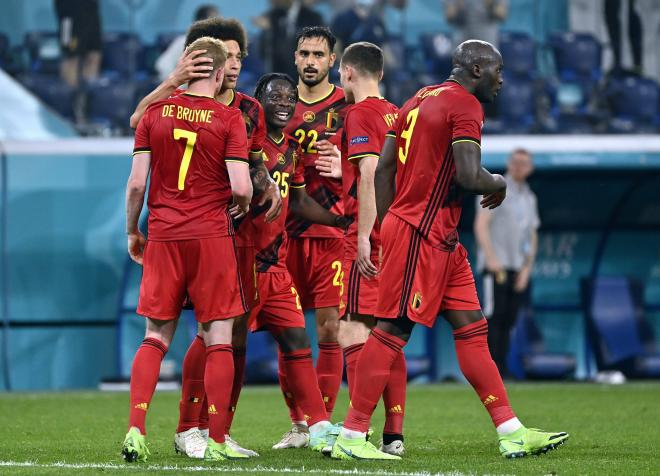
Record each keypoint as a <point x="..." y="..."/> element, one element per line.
<point x="239" y="378"/>
<point x="295" y="412"/>
<point x="192" y="385"/>
<point x="302" y="382"/>
<point x="218" y="378"/>
<point x="351" y="356"/>
<point x="371" y="375"/>
<point x="329" y="370"/>
<point x="474" y="358"/>
<point x="144" y="377"/>
<point x="394" y="396"/>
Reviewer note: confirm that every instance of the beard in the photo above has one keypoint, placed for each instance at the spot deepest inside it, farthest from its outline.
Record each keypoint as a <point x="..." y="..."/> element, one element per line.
<point x="313" y="82"/>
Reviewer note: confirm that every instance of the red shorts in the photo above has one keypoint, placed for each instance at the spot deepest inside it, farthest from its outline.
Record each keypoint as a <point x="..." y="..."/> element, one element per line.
<point x="207" y="270"/>
<point x="315" y="265"/>
<point x="279" y="303"/>
<point x="432" y="281"/>
<point x="358" y="294"/>
<point x="247" y="267"/>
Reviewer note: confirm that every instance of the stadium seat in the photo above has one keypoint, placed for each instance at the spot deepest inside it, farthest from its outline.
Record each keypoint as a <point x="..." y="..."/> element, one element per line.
<point x="634" y="104"/>
<point x="54" y="92"/>
<point x="621" y="338"/>
<point x="111" y="103"/>
<point x="578" y="56"/>
<point x="437" y="49"/>
<point x="122" y="55"/>
<point x="163" y="40"/>
<point x="515" y="106"/>
<point x="519" y="54"/>
<point x="43" y="50"/>
<point x="528" y="357"/>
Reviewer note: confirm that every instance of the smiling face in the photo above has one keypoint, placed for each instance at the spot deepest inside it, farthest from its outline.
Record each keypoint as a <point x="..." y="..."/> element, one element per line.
<point x="233" y="65"/>
<point x="279" y="101"/>
<point x="313" y="60"/>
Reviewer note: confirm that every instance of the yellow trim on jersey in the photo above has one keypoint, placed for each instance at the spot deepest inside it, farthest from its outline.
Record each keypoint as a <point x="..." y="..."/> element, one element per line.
<point x="198" y="95"/>
<point x="361" y="156"/>
<point x="311" y="103"/>
<point x="297" y="186"/>
<point x="238" y="161"/>
<point x="277" y="141"/>
<point x="391" y="134"/>
<point x="233" y="96"/>
<point x="141" y="152"/>
<point x="467" y="140"/>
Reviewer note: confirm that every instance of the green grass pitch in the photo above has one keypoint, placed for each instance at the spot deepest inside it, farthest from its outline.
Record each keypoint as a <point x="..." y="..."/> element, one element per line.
<point x="614" y="430"/>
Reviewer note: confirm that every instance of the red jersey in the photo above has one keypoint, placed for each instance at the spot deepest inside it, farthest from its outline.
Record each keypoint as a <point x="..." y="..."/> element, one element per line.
<point x="190" y="138"/>
<point x="311" y="122"/>
<point x="427" y="195"/>
<point x="282" y="158"/>
<point x="365" y="126"/>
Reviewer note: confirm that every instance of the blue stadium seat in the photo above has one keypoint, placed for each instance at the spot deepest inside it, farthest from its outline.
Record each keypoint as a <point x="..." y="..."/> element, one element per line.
<point x="163" y="40"/>
<point x="54" y="92"/>
<point x="122" y="55"/>
<point x="529" y="358"/>
<point x="253" y="62"/>
<point x="519" y="54"/>
<point x="4" y="50"/>
<point x="437" y="49"/>
<point x="578" y="56"/>
<point x="43" y="50"/>
<point x="634" y="104"/>
<point x="111" y="102"/>
<point x="515" y="106"/>
<point x="621" y="338"/>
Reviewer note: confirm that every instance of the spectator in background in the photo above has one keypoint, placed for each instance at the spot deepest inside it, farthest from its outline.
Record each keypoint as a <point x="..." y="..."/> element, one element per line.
<point x="279" y="26"/>
<point x="476" y="19"/>
<point x="507" y="240"/>
<point x="362" y="21"/>
<point x="613" y="21"/>
<point x="80" y="40"/>
<point x="167" y="61"/>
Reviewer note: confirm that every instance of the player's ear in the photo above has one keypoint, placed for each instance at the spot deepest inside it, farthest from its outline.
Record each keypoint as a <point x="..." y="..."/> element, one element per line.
<point x="333" y="58"/>
<point x="220" y="75"/>
<point x="476" y="71"/>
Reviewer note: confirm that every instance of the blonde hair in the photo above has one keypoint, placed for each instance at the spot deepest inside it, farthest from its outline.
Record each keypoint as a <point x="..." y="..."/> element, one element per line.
<point x="215" y="49"/>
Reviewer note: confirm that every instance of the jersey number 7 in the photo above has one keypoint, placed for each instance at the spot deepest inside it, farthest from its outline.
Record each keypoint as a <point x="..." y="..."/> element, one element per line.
<point x="191" y="138"/>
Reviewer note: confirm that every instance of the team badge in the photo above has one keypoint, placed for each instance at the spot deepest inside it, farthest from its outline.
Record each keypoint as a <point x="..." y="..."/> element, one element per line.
<point x="309" y="116"/>
<point x="281" y="159"/>
<point x="331" y="120"/>
<point x="416" y="301"/>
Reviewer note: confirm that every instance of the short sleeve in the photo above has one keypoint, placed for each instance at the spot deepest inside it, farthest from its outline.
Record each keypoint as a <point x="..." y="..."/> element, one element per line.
<point x="259" y="134"/>
<point x="236" y="146"/>
<point x="467" y="119"/>
<point x="298" y="170"/>
<point x="142" y="142"/>
<point x="361" y="136"/>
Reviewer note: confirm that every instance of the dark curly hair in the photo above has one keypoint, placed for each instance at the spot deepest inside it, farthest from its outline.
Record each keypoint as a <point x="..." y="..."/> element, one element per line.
<point x="266" y="79"/>
<point x="224" y="29"/>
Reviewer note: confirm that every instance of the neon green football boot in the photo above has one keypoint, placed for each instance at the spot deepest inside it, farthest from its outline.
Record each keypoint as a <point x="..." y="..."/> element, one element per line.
<point x="134" y="447"/>
<point x="221" y="451"/>
<point x="358" y="448"/>
<point x="530" y="441"/>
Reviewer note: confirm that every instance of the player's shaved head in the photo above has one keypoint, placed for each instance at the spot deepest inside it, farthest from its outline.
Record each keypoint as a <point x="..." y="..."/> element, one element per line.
<point x="365" y="57"/>
<point x="477" y="65"/>
<point x="215" y="49"/>
<point x="224" y="29"/>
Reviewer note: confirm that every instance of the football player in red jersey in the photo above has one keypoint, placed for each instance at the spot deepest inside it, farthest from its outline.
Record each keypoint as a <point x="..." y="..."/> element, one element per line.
<point x="366" y="124"/>
<point x="195" y="151"/>
<point x="316" y="251"/>
<point x="192" y="429"/>
<point x="279" y="310"/>
<point x="435" y="157"/>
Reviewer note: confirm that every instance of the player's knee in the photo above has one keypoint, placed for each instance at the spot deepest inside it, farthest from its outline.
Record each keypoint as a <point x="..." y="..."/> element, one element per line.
<point x="239" y="333"/>
<point x="327" y="324"/>
<point x="293" y="339"/>
<point x="353" y="332"/>
<point x="400" y="327"/>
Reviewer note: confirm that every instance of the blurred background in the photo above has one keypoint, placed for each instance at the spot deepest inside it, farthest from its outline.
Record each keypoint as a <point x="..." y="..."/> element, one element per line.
<point x="580" y="97"/>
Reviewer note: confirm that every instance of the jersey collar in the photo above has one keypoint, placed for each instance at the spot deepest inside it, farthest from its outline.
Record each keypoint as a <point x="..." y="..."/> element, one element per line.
<point x="187" y="93"/>
<point x="311" y="103"/>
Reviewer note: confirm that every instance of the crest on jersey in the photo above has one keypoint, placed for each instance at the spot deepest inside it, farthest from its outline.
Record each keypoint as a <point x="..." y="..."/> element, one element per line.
<point x="281" y="159"/>
<point x="309" y="116"/>
<point x="331" y="120"/>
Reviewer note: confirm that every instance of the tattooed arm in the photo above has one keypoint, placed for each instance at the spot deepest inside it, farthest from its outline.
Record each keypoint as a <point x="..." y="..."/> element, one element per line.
<point x="264" y="185"/>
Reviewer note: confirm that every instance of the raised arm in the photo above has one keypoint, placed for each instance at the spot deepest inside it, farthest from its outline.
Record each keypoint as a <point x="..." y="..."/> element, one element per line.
<point x="191" y="65"/>
<point x="384" y="179"/>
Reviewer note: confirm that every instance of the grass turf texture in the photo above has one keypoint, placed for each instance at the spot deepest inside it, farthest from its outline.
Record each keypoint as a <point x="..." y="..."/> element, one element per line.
<point x="614" y="430"/>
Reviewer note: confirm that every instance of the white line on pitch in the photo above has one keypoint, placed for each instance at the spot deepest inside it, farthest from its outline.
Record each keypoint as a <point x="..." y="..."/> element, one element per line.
<point x="217" y="469"/>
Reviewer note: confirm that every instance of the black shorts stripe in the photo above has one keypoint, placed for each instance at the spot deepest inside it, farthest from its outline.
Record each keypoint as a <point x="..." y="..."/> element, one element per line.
<point x="353" y="289"/>
<point x="429" y="215"/>
<point x="240" y="280"/>
<point x="409" y="274"/>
